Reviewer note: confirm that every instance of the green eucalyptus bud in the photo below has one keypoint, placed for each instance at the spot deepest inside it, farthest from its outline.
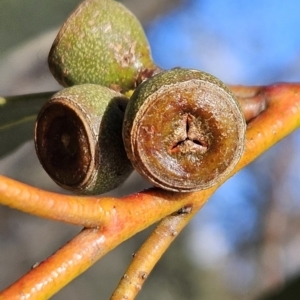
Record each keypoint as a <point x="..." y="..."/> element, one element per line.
<point x="102" y="43"/>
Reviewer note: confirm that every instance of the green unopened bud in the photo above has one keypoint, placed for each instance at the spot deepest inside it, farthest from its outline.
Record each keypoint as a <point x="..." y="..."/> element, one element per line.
<point x="102" y="43"/>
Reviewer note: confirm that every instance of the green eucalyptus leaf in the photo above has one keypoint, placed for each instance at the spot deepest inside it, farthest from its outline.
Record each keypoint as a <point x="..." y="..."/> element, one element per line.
<point x="17" y="119"/>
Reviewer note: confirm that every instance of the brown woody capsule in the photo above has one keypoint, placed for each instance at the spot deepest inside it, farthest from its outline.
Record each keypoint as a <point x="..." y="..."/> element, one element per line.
<point x="78" y="139"/>
<point x="183" y="130"/>
<point x="103" y="43"/>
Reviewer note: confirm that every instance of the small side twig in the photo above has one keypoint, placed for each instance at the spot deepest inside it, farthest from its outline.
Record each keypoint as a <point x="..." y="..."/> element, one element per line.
<point x="150" y="252"/>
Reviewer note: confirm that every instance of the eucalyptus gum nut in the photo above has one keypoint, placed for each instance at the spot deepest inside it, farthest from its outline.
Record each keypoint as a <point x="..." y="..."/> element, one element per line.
<point x="183" y="130"/>
<point x="102" y="43"/>
<point x="78" y="139"/>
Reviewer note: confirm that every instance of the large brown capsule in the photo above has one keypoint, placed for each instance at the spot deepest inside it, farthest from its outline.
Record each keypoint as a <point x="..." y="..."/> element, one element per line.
<point x="101" y="42"/>
<point x="78" y="139"/>
<point x="183" y="130"/>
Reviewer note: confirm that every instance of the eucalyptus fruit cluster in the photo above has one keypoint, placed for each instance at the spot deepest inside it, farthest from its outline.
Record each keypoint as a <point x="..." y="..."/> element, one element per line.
<point x="182" y="129"/>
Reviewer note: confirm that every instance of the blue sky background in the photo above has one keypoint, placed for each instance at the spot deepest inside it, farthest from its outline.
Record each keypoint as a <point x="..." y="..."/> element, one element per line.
<point x="247" y="42"/>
